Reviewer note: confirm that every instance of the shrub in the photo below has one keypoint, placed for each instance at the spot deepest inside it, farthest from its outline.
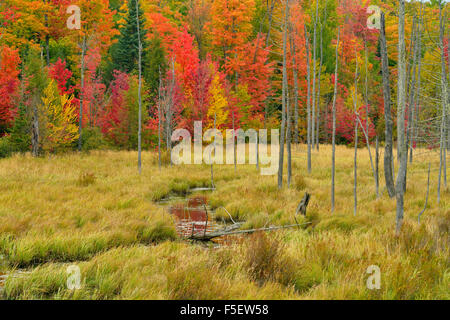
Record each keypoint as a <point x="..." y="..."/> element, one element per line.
<point x="165" y="158"/>
<point x="20" y="133"/>
<point x="86" y="179"/>
<point x="93" y="139"/>
<point x="5" y="147"/>
<point x="159" y="231"/>
<point x="299" y="183"/>
<point x="262" y="256"/>
<point x="196" y="281"/>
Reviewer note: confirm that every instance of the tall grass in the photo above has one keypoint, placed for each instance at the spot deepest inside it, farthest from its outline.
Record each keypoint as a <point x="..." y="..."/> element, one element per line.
<point x="96" y="211"/>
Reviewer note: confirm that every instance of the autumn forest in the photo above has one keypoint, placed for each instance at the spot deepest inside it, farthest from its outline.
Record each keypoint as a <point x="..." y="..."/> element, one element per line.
<point x="92" y="91"/>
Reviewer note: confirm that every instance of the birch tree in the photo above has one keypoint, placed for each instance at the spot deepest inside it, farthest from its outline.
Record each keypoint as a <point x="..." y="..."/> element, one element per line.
<point x="295" y="75"/>
<point x="401" y="106"/>
<point x="388" y="156"/>
<point x="308" y="99"/>
<point x="444" y="99"/>
<point x="417" y="89"/>
<point x="320" y="75"/>
<point x="80" y="120"/>
<point x="313" y="119"/>
<point x="159" y="119"/>
<point x="139" y="88"/>
<point x="333" y="154"/>
<point x="355" y="159"/>
<point x="283" y="97"/>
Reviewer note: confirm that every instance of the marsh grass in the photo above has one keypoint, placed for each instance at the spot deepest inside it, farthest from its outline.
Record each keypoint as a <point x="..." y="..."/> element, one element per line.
<point x="86" y="179"/>
<point x="126" y="245"/>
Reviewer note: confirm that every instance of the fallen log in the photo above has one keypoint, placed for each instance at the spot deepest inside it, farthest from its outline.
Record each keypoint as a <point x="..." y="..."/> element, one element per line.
<point x="225" y="232"/>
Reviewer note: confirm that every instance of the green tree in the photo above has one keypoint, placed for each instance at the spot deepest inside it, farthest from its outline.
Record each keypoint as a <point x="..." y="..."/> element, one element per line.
<point x="125" y="52"/>
<point x="20" y="138"/>
<point x="156" y="63"/>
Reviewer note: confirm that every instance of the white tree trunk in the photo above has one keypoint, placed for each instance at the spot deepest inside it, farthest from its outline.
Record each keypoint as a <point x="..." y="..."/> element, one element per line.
<point x="401" y="139"/>
<point x="442" y="162"/>
<point x="139" y="89"/>
<point x="283" y="97"/>
<point x="333" y="155"/>
<point x="80" y="123"/>
<point x="308" y="100"/>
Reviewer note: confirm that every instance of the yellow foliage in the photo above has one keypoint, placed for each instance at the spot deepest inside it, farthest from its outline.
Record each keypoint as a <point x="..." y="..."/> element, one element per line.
<point x="61" y="128"/>
<point x="218" y="107"/>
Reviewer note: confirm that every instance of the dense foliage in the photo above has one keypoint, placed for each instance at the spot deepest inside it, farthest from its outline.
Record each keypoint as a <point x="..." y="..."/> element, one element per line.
<point x="208" y="58"/>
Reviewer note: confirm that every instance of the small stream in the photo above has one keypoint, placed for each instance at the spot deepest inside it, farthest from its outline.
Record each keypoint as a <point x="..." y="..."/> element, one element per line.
<point x="193" y="216"/>
<point x="6" y="274"/>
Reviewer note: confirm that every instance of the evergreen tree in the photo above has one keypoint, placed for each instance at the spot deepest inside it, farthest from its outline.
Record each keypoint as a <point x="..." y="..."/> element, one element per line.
<point x="20" y="138"/>
<point x="156" y="63"/>
<point x="125" y="51"/>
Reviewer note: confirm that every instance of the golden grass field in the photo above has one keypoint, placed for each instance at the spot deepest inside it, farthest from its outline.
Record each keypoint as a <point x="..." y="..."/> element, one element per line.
<point x="95" y="211"/>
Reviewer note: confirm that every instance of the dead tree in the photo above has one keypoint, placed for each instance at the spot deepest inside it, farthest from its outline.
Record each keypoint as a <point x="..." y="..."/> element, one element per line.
<point x="227" y="232"/>
<point x="288" y="137"/>
<point x="355" y="159"/>
<point x="428" y="192"/>
<point x="210" y="156"/>
<point x="319" y="79"/>
<point x="283" y="97"/>
<point x="313" y="119"/>
<point x="388" y="156"/>
<point x="159" y="118"/>
<point x="401" y="106"/>
<point x="80" y="123"/>
<point x="444" y="98"/>
<point x="303" y="205"/>
<point x="139" y="89"/>
<point x="333" y="155"/>
<point x="308" y="100"/>
<point x="295" y="75"/>
<point x="412" y="90"/>
<point x="416" y="95"/>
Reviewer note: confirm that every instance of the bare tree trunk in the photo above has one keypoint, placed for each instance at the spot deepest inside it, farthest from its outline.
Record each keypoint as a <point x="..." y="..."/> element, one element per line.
<point x="170" y="111"/>
<point x="366" y="135"/>
<point x="442" y="158"/>
<point x="377" y="166"/>
<point x="266" y="107"/>
<point x="318" y="89"/>
<point x="47" y="39"/>
<point x="308" y="100"/>
<point x="139" y="89"/>
<point x="366" y="85"/>
<point x="257" y="152"/>
<point x="83" y="54"/>
<point x="159" y="119"/>
<point x="412" y="92"/>
<point x="284" y="89"/>
<point x="210" y="156"/>
<point x="355" y="159"/>
<point x="35" y="132"/>
<point x="295" y="75"/>
<point x="415" y="114"/>
<point x="402" y="148"/>
<point x="234" y="145"/>
<point x="313" y="120"/>
<point x="388" y="156"/>
<point x="366" y="130"/>
<point x="289" y="135"/>
<point x="428" y="193"/>
<point x="355" y="172"/>
<point x="270" y="21"/>
<point x="333" y="155"/>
